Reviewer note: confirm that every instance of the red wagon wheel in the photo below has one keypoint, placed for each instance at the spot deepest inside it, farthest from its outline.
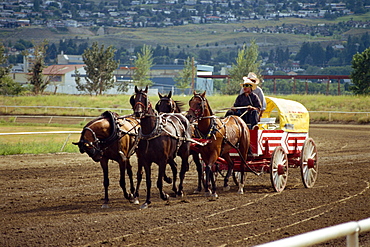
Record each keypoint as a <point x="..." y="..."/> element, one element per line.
<point x="279" y="169"/>
<point x="308" y="163"/>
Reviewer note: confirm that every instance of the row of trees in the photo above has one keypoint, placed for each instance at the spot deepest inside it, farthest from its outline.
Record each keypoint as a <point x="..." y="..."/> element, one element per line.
<point x="315" y="54"/>
<point x="309" y="54"/>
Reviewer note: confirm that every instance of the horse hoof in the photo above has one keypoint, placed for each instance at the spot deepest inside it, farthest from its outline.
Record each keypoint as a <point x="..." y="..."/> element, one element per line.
<point x="227" y="188"/>
<point x="213" y="197"/>
<point x="196" y="191"/>
<point x="207" y="194"/>
<point x="144" y="206"/>
<point x="240" y="192"/>
<point x="136" y="201"/>
<point x="180" y="195"/>
<point x="105" y="205"/>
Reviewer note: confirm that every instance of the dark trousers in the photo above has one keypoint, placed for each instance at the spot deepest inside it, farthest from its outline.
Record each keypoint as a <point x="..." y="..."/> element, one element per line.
<point x="250" y="117"/>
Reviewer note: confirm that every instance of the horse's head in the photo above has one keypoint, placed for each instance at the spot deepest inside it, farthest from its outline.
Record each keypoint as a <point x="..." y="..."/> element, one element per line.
<point x="140" y="102"/>
<point x="91" y="137"/>
<point x="198" y="107"/>
<point x="165" y="104"/>
<point x="89" y="144"/>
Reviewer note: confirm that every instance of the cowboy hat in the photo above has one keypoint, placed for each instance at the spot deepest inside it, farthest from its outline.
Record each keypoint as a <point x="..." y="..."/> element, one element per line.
<point x="251" y="79"/>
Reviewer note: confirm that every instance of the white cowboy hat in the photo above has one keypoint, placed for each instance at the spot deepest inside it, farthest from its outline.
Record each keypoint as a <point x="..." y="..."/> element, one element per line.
<point x="251" y="79"/>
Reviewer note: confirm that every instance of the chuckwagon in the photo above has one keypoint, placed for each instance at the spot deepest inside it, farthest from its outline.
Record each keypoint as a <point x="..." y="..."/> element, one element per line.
<point x="281" y="142"/>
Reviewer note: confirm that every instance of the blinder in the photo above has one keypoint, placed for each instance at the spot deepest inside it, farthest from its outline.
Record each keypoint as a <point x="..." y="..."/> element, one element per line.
<point x="91" y="148"/>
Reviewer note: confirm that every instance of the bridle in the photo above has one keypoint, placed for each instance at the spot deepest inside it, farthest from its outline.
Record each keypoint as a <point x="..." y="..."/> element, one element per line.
<point x="170" y="101"/>
<point x="146" y="105"/>
<point x="98" y="146"/>
<point x="198" y="113"/>
<point x="95" y="144"/>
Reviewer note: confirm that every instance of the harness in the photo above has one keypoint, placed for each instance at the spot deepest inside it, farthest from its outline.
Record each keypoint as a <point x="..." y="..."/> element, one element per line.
<point x="100" y="145"/>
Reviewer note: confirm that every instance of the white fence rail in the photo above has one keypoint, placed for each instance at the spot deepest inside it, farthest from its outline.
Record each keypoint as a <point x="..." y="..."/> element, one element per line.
<point x="351" y="230"/>
<point x="37" y="133"/>
<point x="64" y="107"/>
<point x="46" y="132"/>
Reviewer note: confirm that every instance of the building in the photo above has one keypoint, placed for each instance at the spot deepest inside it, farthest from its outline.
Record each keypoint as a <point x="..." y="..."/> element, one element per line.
<point x="63" y="79"/>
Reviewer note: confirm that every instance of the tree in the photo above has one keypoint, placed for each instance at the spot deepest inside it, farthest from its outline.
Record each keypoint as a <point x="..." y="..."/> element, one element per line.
<point x="7" y="85"/>
<point x="143" y="63"/>
<point x="4" y="70"/>
<point x="36" y="78"/>
<point x="99" y="68"/>
<point x="184" y="78"/>
<point x="246" y="62"/>
<point x="361" y="73"/>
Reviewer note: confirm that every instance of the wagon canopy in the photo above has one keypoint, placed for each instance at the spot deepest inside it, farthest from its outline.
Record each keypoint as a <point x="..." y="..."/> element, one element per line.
<point x="293" y="116"/>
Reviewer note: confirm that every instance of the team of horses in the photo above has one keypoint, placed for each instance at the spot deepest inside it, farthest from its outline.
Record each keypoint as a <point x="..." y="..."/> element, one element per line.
<point x="160" y="134"/>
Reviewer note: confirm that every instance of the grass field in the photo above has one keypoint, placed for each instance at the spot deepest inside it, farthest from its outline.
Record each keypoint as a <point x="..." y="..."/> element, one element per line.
<point x="37" y="143"/>
<point x="51" y="143"/>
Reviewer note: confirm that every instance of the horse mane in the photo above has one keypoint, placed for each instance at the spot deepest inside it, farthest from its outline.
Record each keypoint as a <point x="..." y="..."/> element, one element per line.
<point x="179" y="105"/>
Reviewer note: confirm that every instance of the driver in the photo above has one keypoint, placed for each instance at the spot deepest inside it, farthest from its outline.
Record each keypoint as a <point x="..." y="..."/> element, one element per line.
<point x="250" y="101"/>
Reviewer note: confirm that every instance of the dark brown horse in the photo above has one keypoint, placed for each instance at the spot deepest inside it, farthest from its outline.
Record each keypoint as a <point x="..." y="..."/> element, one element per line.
<point x="161" y="138"/>
<point x="111" y="137"/>
<point x="168" y="105"/>
<point x="222" y="135"/>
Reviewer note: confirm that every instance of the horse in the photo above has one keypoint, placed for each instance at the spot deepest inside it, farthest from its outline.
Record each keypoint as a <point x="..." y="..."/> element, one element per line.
<point x="168" y="105"/>
<point x="161" y="138"/>
<point x="111" y="137"/>
<point x="221" y="135"/>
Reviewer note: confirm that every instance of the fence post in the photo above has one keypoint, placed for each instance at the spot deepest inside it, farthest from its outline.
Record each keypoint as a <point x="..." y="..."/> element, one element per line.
<point x="352" y="239"/>
<point x="65" y="143"/>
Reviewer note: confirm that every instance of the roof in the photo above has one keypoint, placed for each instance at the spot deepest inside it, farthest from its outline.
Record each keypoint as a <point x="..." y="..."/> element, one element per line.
<point x="61" y="69"/>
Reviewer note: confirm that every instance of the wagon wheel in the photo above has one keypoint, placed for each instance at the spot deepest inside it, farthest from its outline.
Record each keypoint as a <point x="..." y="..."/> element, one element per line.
<point x="279" y="169"/>
<point x="308" y="163"/>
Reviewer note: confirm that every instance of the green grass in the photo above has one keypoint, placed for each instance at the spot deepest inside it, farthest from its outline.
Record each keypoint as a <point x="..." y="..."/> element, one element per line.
<point x="40" y="143"/>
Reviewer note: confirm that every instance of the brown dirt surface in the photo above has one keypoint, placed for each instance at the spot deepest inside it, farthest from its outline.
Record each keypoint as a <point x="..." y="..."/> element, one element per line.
<point x="55" y="200"/>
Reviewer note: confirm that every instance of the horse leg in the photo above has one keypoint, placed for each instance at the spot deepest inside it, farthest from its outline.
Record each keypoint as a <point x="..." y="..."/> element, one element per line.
<point x="161" y="171"/>
<point x="241" y="182"/>
<point x="214" y="195"/>
<point x="199" y="170"/>
<point x="122" y="180"/>
<point x="167" y="179"/>
<point x="139" y="177"/>
<point x="230" y="168"/>
<point x="104" y="166"/>
<point x="147" y="168"/>
<point x="173" y="166"/>
<point x="131" y="179"/>
<point x="206" y="184"/>
<point x="184" y="169"/>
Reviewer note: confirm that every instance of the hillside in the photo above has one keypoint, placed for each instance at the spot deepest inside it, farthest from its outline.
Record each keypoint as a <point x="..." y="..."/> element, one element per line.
<point x="186" y="37"/>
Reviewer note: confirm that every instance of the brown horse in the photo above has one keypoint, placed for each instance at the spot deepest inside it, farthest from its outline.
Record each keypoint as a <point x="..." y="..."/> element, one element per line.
<point x="168" y="105"/>
<point x="161" y="138"/>
<point x="221" y="135"/>
<point x="111" y="137"/>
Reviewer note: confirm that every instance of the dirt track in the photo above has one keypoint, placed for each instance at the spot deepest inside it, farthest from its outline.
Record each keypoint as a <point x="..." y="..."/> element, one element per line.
<point x="54" y="200"/>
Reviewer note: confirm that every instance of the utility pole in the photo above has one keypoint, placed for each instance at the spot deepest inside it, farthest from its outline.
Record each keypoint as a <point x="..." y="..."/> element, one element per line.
<point x="192" y="74"/>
